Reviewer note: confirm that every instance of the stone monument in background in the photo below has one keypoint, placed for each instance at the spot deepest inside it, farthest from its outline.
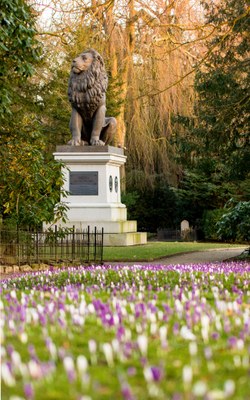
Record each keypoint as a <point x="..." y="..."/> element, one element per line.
<point x="92" y="166"/>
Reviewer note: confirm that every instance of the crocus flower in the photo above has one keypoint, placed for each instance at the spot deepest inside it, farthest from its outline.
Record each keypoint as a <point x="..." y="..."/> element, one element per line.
<point x="229" y="388"/>
<point x="157" y="373"/>
<point x="28" y="391"/>
<point x="82" y="364"/>
<point x="142" y="341"/>
<point x="7" y="376"/>
<point x="187" y="374"/>
<point x="186" y="333"/>
<point x="126" y="392"/>
<point x="199" y="389"/>
<point x="69" y="367"/>
<point x="92" y="349"/>
<point x="108" y="352"/>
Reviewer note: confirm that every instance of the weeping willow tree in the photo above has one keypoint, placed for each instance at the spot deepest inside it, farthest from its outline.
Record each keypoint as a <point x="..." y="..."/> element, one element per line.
<point x="160" y="87"/>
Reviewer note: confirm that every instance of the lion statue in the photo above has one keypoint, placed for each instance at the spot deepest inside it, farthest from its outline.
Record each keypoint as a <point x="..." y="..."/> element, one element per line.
<point x="88" y="83"/>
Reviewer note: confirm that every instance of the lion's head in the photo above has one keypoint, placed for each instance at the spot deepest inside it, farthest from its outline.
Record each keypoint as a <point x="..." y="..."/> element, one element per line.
<point x="87" y="83"/>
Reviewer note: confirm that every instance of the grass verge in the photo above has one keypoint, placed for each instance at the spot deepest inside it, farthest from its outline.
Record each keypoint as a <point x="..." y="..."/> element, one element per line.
<point x="157" y="250"/>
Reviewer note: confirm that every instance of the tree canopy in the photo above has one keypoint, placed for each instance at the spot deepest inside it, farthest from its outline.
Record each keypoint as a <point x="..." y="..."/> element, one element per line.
<point x="216" y="145"/>
<point x="30" y="179"/>
<point x="19" y="48"/>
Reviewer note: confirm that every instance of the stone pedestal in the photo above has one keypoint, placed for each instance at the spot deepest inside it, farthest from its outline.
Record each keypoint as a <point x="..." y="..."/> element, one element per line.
<point x="92" y="178"/>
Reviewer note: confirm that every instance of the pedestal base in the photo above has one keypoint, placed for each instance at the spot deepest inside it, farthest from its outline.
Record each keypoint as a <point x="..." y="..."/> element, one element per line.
<point x="92" y="178"/>
<point x="116" y="233"/>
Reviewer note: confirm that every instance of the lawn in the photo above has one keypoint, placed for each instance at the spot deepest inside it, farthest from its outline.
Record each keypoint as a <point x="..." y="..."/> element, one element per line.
<point x="138" y="332"/>
<point x="156" y="250"/>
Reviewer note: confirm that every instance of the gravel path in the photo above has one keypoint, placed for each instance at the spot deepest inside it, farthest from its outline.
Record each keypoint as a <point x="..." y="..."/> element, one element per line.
<point x="204" y="256"/>
<point x="214" y="255"/>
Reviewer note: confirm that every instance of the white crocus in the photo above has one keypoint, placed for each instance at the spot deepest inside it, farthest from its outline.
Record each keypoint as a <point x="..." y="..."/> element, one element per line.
<point x="13" y="294"/>
<point x="229" y="388"/>
<point x="193" y="349"/>
<point x="24" y="337"/>
<point x="163" y="335"/>
<point x="108" y="352"/>
<point x="34" y="369"/>
<point x="82" y="364"/>
<point x="16" y="359"/>
<point x="186" y="333"/>
<point x="68" y="364"/>
<point x="142" y="341"/>
<point x="187" y="374"/>
<point x="148" y="374"/>
<point x="7" y="377"/>
<point x="205" y="327"/>
<point x="92" y="349"/>
<point x="116" y="346"/>
<point x="199" y="389"/>
<point x="153" y="328"/>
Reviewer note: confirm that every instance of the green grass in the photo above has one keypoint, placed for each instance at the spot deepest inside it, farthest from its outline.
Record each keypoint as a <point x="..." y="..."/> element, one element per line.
<point x="157" y="250"/>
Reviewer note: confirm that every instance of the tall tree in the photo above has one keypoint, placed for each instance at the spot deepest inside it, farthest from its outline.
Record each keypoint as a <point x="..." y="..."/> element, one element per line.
<point x="19" y="48"/>
<point x="30" y="181"/>
<point x="215" y="149"/>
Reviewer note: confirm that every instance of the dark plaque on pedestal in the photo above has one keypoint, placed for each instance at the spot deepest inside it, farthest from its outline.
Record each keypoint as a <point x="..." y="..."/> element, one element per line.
<point x="83" y="183"/>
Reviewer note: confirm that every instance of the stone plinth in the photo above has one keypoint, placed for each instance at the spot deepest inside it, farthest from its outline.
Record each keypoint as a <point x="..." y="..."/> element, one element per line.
<point x="92" y="179"/>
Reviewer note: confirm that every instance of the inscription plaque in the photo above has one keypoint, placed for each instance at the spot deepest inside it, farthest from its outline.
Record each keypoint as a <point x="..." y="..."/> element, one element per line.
<point x="83" y="183"/>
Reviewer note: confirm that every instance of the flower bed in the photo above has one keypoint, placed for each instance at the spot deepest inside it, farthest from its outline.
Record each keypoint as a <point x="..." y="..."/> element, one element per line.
<point x="140" y="332"/>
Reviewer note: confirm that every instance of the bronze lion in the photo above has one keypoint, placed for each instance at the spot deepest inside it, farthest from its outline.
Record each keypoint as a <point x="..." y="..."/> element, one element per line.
<point x="88" y="83"/>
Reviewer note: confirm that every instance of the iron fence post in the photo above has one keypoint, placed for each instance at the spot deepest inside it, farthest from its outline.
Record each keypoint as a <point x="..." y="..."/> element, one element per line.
<point x="55" y="242"/>
<point x="88" y="242"/>
<point x="37" y="248"/>
<point x="18" y="249"/>
<point x="73" y="243"/>
<point x="102" y="238"/>
<point x="95" y="243"/>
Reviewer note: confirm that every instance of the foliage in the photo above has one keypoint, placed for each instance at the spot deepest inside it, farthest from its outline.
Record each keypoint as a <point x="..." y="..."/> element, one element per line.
<point x="152" y="207"/>
<point x="30" y="179"/>
<point x="53" y="108"/>
<point x="197" y="193"/>
<point x="19" y="48"/>
<point x="235" y="223"/>
<point x="222" y="85"/>
<point x="215" y="149"/>
<point x="209" y="221"/>
<point x="30" y="184"/>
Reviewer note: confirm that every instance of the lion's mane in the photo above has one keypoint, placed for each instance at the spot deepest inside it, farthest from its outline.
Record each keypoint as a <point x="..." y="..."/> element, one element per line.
<point x="87" y="88"/>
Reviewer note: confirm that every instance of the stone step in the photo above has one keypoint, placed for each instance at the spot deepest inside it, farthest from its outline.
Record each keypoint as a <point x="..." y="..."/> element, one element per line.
<point x="108" y="226"/>
<point x="125" y="239"/>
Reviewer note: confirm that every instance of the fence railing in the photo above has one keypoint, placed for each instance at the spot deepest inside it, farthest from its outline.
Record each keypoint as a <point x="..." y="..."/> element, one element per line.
<point x="171" y="235"/>
<point x="67" y="246"/>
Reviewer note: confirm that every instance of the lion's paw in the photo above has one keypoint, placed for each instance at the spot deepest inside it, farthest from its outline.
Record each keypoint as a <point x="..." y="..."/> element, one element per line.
<point x="77" y="142"/>
<point x="96" y="142"/>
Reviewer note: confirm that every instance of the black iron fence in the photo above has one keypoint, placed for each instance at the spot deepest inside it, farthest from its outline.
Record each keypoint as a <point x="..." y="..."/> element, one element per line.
<point x="54" y="246"/>
<point x="176" y="235"/>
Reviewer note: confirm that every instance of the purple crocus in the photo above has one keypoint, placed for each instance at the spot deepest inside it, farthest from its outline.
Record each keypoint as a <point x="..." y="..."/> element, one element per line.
<point x="126" y="392"/>
<point x="28" y="391"/>
<point x="157" y="373"/>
